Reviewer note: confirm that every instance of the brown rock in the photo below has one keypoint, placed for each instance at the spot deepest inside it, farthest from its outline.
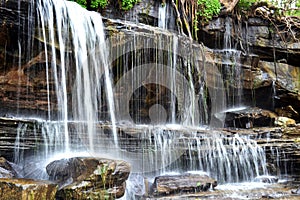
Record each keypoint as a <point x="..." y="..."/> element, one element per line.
<point x="188" y="183"/>
<point x="287" y="111"/>
<point x="24" y="189"/>
<point x="229" y="4"/>
<point x="89" y="178"/>
<point x="249" y="118"/>
<point x="284" y="121"/>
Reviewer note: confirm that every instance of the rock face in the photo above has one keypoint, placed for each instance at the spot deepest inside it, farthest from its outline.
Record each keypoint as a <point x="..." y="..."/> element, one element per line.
<point x="89" y="178"/>
<point x="249" y="118"/>
<point x="25" y="189"/>
<point x="187" y="183"/>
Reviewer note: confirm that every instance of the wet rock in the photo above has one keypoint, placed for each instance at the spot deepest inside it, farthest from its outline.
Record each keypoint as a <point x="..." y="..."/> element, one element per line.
<point x="25" y="189"/>
<point x="256" y="32"/>
<point x="284" y="121"/>
<point x="66" y="169"/>
<point x="256" y="21"/>
<point x="287" y="111"/>
<point x="6" y="169"/>
<point x="266" y="179"/>
<point x="186" y="183"/>
<point x="94" y="178"/>
<point x="249" y="118"/>
<point x="285" y="75"/>
<point x="296" y="191"/>
<point x="292" y="131"/>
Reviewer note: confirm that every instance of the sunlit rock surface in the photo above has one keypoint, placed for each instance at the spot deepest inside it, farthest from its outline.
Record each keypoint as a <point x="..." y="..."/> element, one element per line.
<point x="25" y="189"/>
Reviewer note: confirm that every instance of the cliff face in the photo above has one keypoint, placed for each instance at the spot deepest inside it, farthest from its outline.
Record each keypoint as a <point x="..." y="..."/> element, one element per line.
<point x="269" y="49"/>
<point x="268" y="60"/>
<point x="235" y="62"/>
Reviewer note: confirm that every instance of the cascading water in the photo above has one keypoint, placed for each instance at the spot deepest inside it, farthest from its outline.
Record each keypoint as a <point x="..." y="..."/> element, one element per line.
<point x="149" y="89"/>
<point x="162" y="16"/>
<point x="228" y="159"/>
<point x="232" y="67"/>
<point x="76" y="71"/>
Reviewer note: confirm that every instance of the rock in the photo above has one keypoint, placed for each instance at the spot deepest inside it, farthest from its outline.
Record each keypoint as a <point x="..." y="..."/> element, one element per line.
<point x="266" y="179"/>
<point x="296" y="191"/>
<point x="284" y="121"/>
<point x="6" y="169"/>
<point x="138" y="186"/>
<point x="186" y="183"/>
<point x="84" y="178"/>
<point x="256" y="32"/>
<point x="285" y="75"/>
<point x="257" y="21"/>
<point x="229" y="4"/>
<point x="287" y="111"/>
<point x="249" y="117"/>
<point x="25" y="189"/>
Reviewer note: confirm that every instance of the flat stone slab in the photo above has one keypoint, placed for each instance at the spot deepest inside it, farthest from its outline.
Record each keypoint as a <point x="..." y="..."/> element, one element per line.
<point x="186" y="183"/>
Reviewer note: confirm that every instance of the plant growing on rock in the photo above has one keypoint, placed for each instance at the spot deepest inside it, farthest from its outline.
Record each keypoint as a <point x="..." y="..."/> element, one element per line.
<point x="207" y="9"/>
<point x="127" y="4"/>
<point x="92" y="4"/>
<point x="96" y="4"/>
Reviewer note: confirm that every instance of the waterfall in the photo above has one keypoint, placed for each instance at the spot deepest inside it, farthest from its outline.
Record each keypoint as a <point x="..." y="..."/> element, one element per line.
<point x="228" y="159"/>
<point x="71" y="41"/>
<point x="162" y="10"/>
<point x="152" y="87"/>
<point x="233" y="73"/>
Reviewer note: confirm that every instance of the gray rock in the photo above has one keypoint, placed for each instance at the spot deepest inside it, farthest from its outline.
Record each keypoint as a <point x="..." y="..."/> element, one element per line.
<point x="6" y="169"/>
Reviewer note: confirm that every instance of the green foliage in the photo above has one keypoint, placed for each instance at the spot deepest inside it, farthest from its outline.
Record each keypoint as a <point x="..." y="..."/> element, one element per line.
<point x="81" y="2"/>
<point x="94" y="4"/>
<point x="128" y="4"/>
<point x="207" y="9"/>
<point x="282" y="8"/>
<point x="99" y="3"/>
<point x="246" y="4"/>
<point x="292" y="10"/>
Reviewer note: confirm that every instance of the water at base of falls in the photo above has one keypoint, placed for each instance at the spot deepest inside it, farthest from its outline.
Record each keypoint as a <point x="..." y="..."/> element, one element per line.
<point x="75" y="37"/>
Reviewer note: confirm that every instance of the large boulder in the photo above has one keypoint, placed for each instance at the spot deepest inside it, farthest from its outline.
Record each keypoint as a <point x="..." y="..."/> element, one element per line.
<point x="94" y="178"/>
<point x="24" y="189"/>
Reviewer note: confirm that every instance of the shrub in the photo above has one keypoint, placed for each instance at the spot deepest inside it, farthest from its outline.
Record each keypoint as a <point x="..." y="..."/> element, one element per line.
<point x="207" y="9"/>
